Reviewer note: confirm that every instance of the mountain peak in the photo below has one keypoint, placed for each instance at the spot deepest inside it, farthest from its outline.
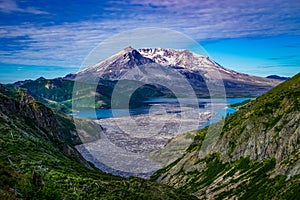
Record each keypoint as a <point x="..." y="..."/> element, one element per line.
<point x="128" y="49"/>
<point x="115" y="66"/>
<point x="133" y="55"/>
<point x="41" y="79"/>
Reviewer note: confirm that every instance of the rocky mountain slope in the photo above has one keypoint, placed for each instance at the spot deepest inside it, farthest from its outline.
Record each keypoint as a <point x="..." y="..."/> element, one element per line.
<point x="38" y="160"/>
<point x="256" y="156"/>
<point x="197" y="69"/>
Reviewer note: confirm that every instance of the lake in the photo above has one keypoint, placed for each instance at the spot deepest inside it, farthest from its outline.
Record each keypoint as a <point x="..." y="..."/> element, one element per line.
<point x="160" y="103"/>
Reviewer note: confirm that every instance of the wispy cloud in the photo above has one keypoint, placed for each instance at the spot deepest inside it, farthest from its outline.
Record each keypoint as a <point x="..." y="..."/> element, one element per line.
<point x="289" y="57"/>
<point x="8" y="6"/>
<point x="66" y="44"/>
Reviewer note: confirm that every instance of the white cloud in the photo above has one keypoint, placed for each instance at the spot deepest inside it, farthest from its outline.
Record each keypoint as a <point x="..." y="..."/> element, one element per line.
<point x="8" y="6"/>
<point x="68" y="44"/>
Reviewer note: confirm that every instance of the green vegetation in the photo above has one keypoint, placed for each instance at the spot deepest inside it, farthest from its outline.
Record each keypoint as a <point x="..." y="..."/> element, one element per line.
<point x="240" y="104"/>
<point x="257" y="147"/>
<point x="36" y="161"/>
<point x="56" y="93"/>
<point x="244" y="178"/>
<point x="267" y="109"/>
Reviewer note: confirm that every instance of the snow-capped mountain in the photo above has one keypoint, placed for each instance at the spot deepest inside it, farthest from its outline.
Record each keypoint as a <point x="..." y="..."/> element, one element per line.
<point x="114" y="67"/>
<point x="197" y="63"/>
<point x="199" y="70"/>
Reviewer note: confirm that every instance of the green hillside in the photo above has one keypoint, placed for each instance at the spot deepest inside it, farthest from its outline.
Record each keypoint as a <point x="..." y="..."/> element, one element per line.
<point x="38" y="161"/>
<point x="58" y="93"/>
<point x="257" y="154"/>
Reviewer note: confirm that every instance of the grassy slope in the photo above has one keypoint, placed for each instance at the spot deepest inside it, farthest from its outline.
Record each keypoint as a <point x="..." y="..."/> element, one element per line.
<point x="225" y="172"/>
<point x="25" y="146"/>
<point x="54" y="93"/>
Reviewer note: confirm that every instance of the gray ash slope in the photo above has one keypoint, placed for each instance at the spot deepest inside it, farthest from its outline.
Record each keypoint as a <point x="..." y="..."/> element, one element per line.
<point x="197" y="69"/>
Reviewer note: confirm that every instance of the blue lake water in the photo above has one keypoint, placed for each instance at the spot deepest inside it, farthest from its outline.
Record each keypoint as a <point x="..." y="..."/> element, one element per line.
<point x="204" y="104"/>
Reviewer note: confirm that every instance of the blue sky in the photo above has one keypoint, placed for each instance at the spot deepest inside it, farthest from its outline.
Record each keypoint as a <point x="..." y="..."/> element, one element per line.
<point x="52" y="38"/>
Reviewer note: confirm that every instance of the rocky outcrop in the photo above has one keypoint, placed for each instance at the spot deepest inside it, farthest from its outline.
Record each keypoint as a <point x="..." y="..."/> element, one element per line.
<point x="20" y="108"/>
<point x="257" y="148"/>
<point x="27" y="107"/>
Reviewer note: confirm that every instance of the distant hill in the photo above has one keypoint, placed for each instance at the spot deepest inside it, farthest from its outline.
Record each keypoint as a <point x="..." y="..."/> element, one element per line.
<point x="256" y="156"/>
<point x="38" y="159"/>
<point x="275" y="77"/>
<point x="55" y="93"/>
<point x="58" y="93"/>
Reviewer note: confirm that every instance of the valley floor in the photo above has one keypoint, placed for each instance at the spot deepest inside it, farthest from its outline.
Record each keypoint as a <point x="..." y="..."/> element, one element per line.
<point x="126" y="143"/>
